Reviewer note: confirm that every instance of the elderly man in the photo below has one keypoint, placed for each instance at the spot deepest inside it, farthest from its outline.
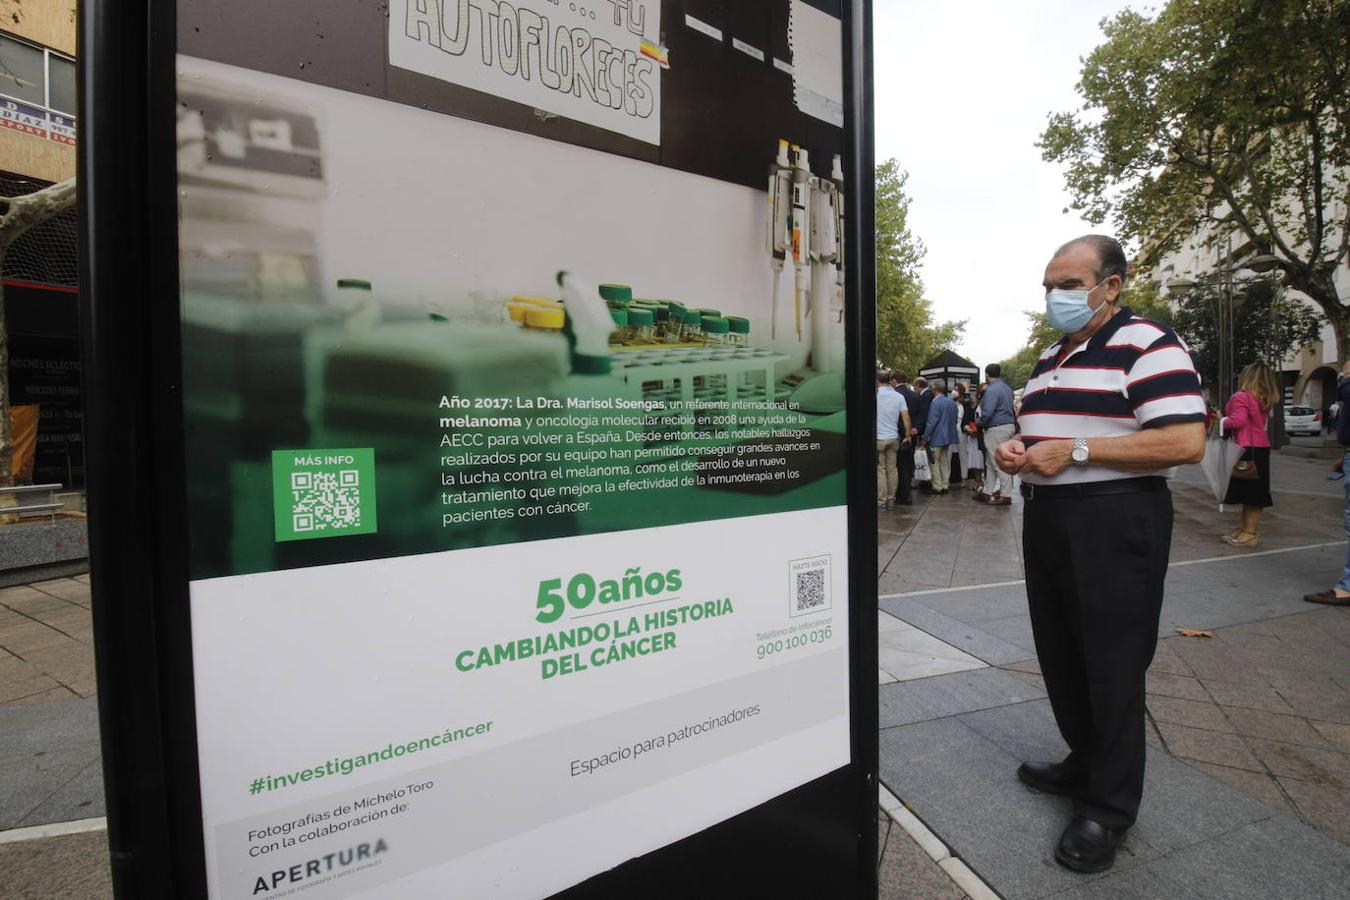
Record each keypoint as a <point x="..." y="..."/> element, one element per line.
<point x="940" y="434"/>
<point x="996" y="418"/>
<point x="1109" y="409"/>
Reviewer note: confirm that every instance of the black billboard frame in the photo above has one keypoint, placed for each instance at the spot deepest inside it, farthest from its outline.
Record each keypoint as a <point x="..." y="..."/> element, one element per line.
<point x="820" y="836"/>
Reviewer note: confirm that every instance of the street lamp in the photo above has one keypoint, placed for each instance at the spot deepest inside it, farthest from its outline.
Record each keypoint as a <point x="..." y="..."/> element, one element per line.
<point x="1229" y="299"/>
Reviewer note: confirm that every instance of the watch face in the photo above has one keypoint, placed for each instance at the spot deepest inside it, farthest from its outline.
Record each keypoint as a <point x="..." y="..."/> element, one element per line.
<point x="1080" y="454"/>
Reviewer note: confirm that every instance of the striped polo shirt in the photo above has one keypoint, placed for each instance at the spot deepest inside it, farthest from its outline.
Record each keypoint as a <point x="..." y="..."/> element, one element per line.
<point x="1132" y="374"/>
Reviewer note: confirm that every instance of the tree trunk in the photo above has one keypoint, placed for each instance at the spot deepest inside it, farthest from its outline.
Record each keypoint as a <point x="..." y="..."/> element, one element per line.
<point x="1321" y="289"/>
<point x="17" y="215"/>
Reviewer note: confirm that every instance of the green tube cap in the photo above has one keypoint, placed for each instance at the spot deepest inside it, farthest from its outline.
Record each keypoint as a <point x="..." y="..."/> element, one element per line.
<point x="616" y="291"/>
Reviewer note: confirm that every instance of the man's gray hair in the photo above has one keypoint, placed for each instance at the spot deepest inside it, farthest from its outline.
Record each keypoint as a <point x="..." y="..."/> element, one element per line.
<point x="938" y="385"/>
<point x="1110" y="255"/>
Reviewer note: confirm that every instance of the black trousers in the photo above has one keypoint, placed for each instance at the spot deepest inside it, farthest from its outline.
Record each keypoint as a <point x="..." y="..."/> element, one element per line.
<point x="905" y="460"/>
<point x="1095" y="569"/>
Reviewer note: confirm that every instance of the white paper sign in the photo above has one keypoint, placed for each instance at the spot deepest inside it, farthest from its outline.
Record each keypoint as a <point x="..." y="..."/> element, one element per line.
<point x="591" y="62"/>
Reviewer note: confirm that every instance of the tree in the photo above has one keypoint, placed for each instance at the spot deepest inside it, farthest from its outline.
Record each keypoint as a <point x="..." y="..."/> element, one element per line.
<point x="907" y="335"/>
<point x="1219" y="118"/>
<point x="17" y="215"/>
<point x="1267" y="324"/>
<point x="1141" y="297"/>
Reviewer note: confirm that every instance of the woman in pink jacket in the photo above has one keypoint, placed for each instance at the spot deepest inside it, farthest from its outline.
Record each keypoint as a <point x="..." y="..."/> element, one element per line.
<point x="1245" y="420"/>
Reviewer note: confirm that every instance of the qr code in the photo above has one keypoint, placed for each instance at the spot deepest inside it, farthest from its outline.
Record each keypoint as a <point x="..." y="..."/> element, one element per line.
<point x="808" y="585"/>
<point x="810" y="590"/>
<point x="321" y="501"/>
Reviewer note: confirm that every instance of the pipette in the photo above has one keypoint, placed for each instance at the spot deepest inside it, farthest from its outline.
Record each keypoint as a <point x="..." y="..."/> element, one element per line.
<point x="801" y="233"/>
<point x="780" y="202"/>
<point x="837" y="176"/>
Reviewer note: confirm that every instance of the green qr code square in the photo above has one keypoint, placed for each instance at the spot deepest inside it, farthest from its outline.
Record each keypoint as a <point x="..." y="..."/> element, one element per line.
<point x="323" y="493"/>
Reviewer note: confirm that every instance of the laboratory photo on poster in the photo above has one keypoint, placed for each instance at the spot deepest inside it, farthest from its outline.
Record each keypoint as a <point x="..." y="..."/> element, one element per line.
<point x="513" y="384"/>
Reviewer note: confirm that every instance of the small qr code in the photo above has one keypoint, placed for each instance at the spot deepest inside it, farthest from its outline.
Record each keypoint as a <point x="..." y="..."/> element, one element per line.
<point x="322" y="501"/>
<point x="810" y="590"/>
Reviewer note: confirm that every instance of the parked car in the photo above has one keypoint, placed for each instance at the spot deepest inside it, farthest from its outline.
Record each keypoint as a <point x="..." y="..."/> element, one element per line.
<point x="1302" y="420"/>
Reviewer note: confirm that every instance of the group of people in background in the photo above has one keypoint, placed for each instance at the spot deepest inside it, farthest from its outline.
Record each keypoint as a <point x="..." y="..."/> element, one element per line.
<point x="956" y="431"/>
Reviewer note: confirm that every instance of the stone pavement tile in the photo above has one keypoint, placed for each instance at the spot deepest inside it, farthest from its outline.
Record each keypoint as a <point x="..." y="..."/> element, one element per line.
<point x="69" y="866"/>
<point x="1182" y="805"/>
<point x="948" y="695"/>
<point x="20" y="679"/>
<point x="890" y="584"/>
<point x="913" y="640"/>
<point x="18" y="592"/>
<point x="1316" y="698"/>
<point x="1026" y="731"/>
<point x="972" y="640"/>
<point x="1161" y="684"/>
<point x="1031" y="678"/>
<point x="65" y="588"/>
<point x="1168" y="661"/>
<point x="1140" y="883"/>
<point x="964" y="788"/>
<point x="906" y="872"/>
<point x="1031" y="666"/>
<point x="1325" y="808"/>
<point x="1258" y="784"/>
<point x="1275" y="727"/>
<point x="28" y="637"/>
<point x="1015" y="629"/>
<point x="31" y="781"/>
<point x="65" y="614"/>
<point x="1326" y="767"/>
<point x="70" y="662"/>
<point x="1247" y="695"/>
<point x="25" y="730"/>
<point x="87" y="687"/>
<point x="884" y="677"/>
<point x="79" y="798"/>
<point x="978" y="605"/>
<point x="1209" y="658"/>
<point x="59" y="692"/>
<point x="37" y="604"/>
<point x="1276" y="857"/>
<point x="83" y="579"/>
<point x="1337" y="735"/>
<point x="1208" y="746"/>
<point x="1192" y="713"/>
<point x="887" y="622"/>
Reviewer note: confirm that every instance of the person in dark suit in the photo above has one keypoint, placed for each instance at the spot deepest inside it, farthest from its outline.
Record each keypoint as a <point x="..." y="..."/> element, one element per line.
<point x="918" y="414"/>
<point x="905" y="493"/>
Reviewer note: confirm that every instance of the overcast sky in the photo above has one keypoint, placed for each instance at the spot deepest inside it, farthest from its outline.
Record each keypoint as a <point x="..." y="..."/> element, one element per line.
<point x="962" y="93"/>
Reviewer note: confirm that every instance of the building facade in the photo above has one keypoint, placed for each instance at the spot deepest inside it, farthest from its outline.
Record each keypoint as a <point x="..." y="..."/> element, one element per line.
<point x="1308" y="374"/>
<point x="38" y="116"/>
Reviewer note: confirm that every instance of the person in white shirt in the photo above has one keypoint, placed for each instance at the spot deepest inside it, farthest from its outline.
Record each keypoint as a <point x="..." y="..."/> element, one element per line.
<point x="892" y="416"/>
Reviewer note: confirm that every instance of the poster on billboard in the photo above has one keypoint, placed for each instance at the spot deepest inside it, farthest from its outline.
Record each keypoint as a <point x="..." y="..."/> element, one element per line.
<point x="515" y="419"/>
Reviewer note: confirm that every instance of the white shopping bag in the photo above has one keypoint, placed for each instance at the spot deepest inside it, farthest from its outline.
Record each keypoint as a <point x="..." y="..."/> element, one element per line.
<point x="922" y="472"/>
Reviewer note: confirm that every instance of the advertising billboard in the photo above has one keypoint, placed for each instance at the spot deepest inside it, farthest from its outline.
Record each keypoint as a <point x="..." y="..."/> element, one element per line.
<point x="515" y="412"/>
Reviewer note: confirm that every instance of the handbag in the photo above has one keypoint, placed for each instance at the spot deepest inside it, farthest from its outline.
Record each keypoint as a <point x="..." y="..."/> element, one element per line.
<point x="1245" y="468"/>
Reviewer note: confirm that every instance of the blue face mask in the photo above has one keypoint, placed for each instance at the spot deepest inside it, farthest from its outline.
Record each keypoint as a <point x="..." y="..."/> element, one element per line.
<point x="1068" y="311"/>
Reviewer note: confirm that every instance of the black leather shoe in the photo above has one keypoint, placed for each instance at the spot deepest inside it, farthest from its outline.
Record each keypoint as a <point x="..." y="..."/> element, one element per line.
<point x="1053" y="778"/>
<point x="1088" y="846"/>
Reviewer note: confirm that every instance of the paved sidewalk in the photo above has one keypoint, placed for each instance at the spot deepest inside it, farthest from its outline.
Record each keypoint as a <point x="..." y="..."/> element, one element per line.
<point x="1248" y="786"/>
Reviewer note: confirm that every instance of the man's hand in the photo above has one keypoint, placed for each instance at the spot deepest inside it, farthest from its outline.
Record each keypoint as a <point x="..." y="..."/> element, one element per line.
<point x="1011" y="456"/>
<point x="1048" y="458"/>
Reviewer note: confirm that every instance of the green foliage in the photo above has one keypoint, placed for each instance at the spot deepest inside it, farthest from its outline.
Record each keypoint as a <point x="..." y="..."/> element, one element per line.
<point x="1267" y="325"/>
<point x="1220" y="118"/>
<point x="907" y="335"/>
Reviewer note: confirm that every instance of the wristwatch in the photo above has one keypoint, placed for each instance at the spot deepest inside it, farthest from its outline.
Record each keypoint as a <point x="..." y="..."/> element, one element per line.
<point x="1080" y="453"/>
